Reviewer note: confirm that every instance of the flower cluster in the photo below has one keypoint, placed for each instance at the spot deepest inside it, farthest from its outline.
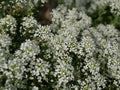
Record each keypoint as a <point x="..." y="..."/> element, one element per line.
<point x="113" y="4"/>
<point x="29" y="25"/>
<point x="91" y="5"/>
<point x="8" y="24"/>
<point x="68" y="54"/>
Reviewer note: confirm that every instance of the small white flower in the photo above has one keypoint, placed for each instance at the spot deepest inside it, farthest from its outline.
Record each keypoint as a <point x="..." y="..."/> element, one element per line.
<point x="30" y="47"/>
<point x="35" y="88"/>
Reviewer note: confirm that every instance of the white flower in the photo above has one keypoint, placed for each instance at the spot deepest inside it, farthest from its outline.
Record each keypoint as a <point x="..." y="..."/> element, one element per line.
<point x="35" y="88"/>
<point x="5" y="40"/>
<point x="67" y="54"/>
<point x="43" y="1"/>
<point x="29" y="25"/>
<point x="30" y="48"/>
<point x="8" y="24"/>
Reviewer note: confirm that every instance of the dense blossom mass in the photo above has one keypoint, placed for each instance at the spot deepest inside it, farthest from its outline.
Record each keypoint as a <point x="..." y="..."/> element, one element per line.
<point x="76" y="51"/>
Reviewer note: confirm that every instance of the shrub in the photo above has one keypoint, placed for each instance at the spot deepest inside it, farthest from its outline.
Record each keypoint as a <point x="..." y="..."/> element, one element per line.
<point x="78" y="50"/>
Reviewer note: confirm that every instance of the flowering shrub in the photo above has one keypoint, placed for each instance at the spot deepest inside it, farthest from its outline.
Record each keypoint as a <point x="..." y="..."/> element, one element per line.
<point x="79" y="50"/>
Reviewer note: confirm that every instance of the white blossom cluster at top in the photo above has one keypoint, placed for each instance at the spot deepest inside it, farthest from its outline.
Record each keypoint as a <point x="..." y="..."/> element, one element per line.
<point x="68" y="54"/>
<point x="95" y="4"/>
